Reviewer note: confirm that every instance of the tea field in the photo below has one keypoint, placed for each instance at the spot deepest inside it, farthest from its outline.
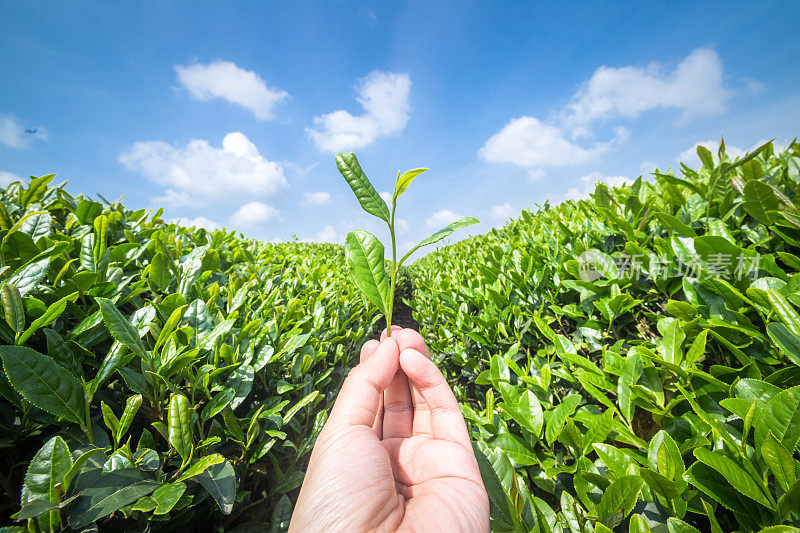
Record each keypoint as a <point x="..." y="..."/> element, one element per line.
<point x="627" y="362"/>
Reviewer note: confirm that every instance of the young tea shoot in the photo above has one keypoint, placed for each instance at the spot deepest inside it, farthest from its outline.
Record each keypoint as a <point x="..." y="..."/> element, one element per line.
<point x="364" y="252"/>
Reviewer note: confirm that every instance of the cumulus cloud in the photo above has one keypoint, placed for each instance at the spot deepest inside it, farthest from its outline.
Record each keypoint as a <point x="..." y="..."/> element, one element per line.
<point x="384" y="97"/>
<point x="7" y="178"/>
<point x="223" y="79"/>
<point x="15" y="135"/>
<point x="441" y="219"/>
<point x="502" y="211"/>
<point x="586" y="184"/>
<point x="694" y="88"/>
<point x="198" y="222"/>
<point x="387" y="196"/>
<point x="198" y="174"/>
<point x="254" y="214"/>
<point x="316" y="198"/>
<point x="528" y="142"/>
<point x="329" y="234"/>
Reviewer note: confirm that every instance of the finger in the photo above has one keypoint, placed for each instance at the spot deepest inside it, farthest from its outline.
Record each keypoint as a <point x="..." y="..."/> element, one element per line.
<point x="394" y="328"/>
<point x="398" y="409"/>
<point x="399" y="416"/>
<point x="447" y="422"/>
<point x="367" y="351"/>
<point x="359" y="399"/>
<point x="421" y="425"/>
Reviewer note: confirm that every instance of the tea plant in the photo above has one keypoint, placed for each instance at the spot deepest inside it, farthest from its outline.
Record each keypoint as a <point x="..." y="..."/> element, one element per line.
<point x="662" y="390"/>
<point x="365" y="253"/>
<point x="155" y="376"/>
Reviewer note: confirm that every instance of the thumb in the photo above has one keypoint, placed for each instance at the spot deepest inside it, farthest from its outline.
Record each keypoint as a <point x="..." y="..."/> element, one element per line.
<point x="357" y="403"/>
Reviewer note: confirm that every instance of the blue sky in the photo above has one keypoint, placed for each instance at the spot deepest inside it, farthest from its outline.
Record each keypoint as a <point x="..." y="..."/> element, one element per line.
<point x="230" y="113"/>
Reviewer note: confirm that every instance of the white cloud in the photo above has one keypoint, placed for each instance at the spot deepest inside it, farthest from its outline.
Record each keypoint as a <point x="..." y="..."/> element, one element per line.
<point x="223" y="79"/>
<point x="15" y="135"/>
<point x="7" y="177"/>
<point x="387" y="196"/>
<point x="401" y="226"/>
<point x="536" y="174"/>
<point x="441" y="219"/>
<point x="586" y="184"/>
<point x="198" y="222"/>
<point x="528" y="142"/>
<point x="694" y="87"/>
<point x="502" y="211"/>
<point x="254" y="214"/>
<point x="200" y="174"/>
<point x="329" y="234"/>
<point x="316" y="198"/>
<point x="384" y="97"/>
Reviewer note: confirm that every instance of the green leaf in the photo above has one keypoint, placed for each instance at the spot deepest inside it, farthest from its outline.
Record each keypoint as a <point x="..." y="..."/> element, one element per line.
<point x="784" y="310"/>
<point x="734" y="474"/>
<point x="619" y="499"/>
<point x="220" y="481"/>
<point x="527" y="412"/>
<point x="159" y="273"/>
<point x="441" y="234"/>
<point x="180" y="425"/>
<point x="44" y="383"/>
<point x="366" y="194"/>
<point x="364" y="253"/>
<point x="788" y="342"/>
<point x="109" y="493"/>
<point x="705" y="156"/>
<point x="120" y="328"/>
<point x="759" y="201"/>
<point x="679" y="526"/>
<point x="307" y="399"/>
<point x="659" y="483"/>
<point x="131" y="408"/>
<point x="638" y="524"/>
<point x="51" y="314"/>
<point x="664" y="456"/>
<point x="781" y="416"/>
<point x="779" y="461"/>
<point x="201" y="466"/>
<point x="112" y="422"/>
<point x="404" y="180"/>
<point x="672" y="342"/>
<point x="45" y="473"/>
<point x="27" y="277"/>
<point x="166" y="496"/>
<point x="12" y="305"/>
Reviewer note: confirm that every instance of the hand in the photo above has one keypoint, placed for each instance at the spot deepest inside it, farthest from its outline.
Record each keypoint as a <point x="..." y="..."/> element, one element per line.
<point x="395" y="453"/>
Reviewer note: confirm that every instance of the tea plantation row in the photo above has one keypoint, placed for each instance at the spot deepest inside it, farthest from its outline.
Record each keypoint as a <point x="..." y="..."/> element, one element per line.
<point x="157" y="376"/>
<point x="632" y="361"/>
<point x="627" y="362"/>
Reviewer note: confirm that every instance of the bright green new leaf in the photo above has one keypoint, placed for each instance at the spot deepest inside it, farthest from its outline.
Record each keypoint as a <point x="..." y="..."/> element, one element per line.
<point x="12" y="305"/>
<point x="404" y="180"/>
<point x="120" y="328"/>
<point x="779" y="461"/>
<point x="441" y="234"/>
<point x="180" y="425"/>
<point x="166" y="496"/>
<point x="619" y="499"/>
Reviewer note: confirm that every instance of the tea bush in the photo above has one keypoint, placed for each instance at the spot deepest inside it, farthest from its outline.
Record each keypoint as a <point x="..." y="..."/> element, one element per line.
<point x="632" y="360"/>
<point x="157" y="376"/>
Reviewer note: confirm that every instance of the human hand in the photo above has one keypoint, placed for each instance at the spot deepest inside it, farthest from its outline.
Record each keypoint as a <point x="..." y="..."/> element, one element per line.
<point x="395" y="453"/>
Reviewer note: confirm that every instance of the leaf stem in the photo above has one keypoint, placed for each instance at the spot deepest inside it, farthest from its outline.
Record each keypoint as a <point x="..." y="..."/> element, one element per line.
<point x="390" y="308"/>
